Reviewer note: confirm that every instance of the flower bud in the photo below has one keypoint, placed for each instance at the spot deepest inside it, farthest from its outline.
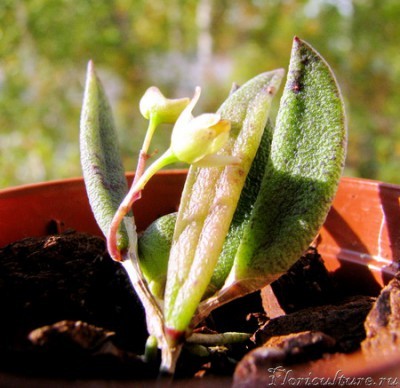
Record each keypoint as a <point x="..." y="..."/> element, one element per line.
<point x="165" y="110"/>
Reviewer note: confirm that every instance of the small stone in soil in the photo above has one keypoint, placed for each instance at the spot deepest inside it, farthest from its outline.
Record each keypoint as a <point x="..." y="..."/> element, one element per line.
<point x="382" y="325"/>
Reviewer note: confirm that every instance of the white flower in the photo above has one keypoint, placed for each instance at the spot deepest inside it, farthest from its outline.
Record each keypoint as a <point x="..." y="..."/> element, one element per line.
<point x="194" y="140"/>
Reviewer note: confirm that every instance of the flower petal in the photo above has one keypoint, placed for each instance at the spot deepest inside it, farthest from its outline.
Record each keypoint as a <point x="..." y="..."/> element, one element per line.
<point x="205" y="120"/>
<point x="186" y="114"/>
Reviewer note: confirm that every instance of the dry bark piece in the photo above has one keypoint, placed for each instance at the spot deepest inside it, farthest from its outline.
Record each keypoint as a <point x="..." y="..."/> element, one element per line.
<point x="65" y="335"/>
<point x="257" y="367"/>
<point x="382" y="324"/>
<point x="343" y="321"/>
<point x="306" y="345"/>
<point x="69" y="341"/>
<point x="270" y="303"/>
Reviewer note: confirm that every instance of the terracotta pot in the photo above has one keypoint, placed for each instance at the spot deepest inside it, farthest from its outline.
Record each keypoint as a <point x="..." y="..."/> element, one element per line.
<point x="33" y="210"/>
<point x="360" y="240"/>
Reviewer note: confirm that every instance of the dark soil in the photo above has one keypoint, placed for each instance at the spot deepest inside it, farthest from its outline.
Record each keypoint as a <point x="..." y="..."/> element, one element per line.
<point x="63" y="277"/>
<point x="69" y="311"/>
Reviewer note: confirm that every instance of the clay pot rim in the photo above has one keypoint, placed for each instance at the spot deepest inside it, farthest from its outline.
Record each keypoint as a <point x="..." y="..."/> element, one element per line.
<point x="74" y="180"/>
<point x="130" y="174"/>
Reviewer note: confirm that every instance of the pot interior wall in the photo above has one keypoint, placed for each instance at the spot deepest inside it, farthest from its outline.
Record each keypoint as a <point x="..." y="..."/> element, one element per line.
<point x="359" y="242"/>
<point x="360" y="239"/>
<point x="36" y="210"/>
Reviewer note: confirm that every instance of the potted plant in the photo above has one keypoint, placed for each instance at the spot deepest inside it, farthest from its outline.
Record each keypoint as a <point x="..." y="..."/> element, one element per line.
<point x="302" y="169"/>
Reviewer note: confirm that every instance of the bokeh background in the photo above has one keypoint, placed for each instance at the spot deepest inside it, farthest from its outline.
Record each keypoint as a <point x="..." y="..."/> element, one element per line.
<point x="177" y="44"/>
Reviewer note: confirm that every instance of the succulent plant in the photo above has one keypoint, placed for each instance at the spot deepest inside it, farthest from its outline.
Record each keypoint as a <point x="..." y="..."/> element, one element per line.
<point x="256" y="193"/>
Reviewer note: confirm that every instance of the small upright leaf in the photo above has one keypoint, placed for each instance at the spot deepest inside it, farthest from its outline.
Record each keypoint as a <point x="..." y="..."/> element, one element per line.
<point x="103" y="172"/>
<point x="154" y="245"/>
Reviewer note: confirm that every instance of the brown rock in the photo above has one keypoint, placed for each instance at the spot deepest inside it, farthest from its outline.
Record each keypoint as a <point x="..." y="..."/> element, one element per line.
<point x="382" y="324"/>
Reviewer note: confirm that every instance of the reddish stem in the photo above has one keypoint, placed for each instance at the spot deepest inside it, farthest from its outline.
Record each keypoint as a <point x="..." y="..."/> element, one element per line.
<point x="134" y="193"/>
<point x="112" y="245"/>
<point x="143" y="156"/>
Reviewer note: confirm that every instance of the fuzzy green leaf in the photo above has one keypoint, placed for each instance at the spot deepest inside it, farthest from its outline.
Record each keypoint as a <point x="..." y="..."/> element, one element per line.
<point x="307" y="158"/>
<point x="100" y="158"/>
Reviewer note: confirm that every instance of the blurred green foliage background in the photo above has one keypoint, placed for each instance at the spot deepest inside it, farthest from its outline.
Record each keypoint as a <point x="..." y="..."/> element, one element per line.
<point x="177" y="44"/>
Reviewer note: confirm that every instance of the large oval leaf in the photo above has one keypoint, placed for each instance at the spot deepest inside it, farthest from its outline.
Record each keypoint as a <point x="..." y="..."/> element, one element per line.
<point x="307" y="157"/>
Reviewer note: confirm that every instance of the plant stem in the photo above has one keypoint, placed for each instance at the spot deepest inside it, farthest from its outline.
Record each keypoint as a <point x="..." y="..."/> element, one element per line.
<point x="167" y="158"/>
<point x="154" y="315"/>
<point x="129" y="259"/>
<point x="153" y="124"/>
<point x="143" y="155"/>
<point x="169" y="357"/>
